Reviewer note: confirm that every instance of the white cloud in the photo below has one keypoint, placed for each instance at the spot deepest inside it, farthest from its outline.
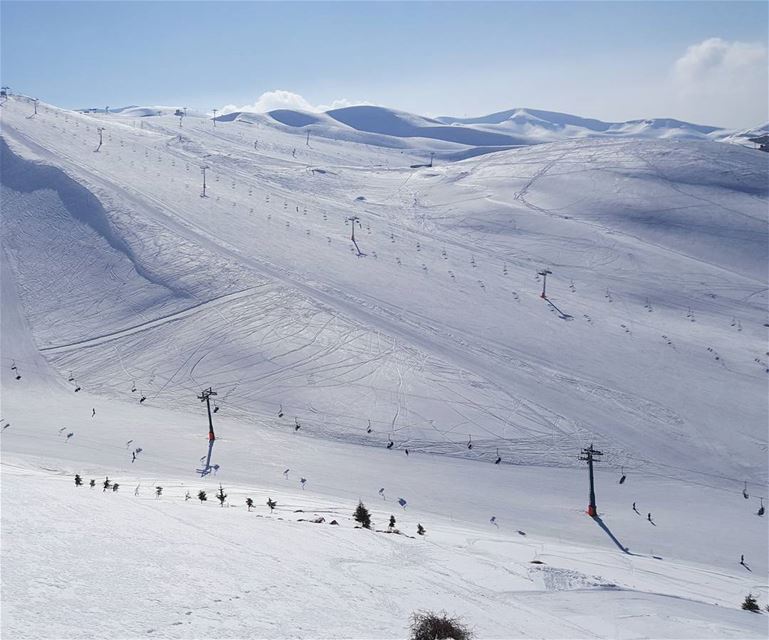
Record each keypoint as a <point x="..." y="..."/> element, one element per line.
<point x="725" y="79"/>
<point x="282" y="99"/>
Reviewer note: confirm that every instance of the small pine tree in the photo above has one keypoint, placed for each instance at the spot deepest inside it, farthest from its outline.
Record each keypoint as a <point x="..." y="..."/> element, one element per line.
<point x="115" y="487"/>
<point x="750" y="604"/>
<point x="92" y="484"/>
<point x="221" y="496"/>
<point x="420" y="529"/>
<point x="158" y="491"/>
<point x="78" y="480"/>
<point x="202" y="496"/>
<point x="362" y="516"/>
<point x="187" y="496"/>
<point x="249" y="503"/>
<point x="106" y="484"/>
<point x="271" y="504"/>
<point x="392" y="522"/>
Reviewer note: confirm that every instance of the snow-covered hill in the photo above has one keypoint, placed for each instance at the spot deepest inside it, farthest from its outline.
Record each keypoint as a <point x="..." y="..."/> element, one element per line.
<point x="496" y="131"/>
<point x="429" y="333"/>
<point x="542" y="126"/>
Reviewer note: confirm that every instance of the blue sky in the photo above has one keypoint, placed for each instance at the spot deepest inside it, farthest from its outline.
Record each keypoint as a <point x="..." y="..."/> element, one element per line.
<point x="699" y="61"/>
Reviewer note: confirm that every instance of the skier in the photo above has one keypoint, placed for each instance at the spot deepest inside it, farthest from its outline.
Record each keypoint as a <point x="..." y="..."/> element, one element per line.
<point x="93" y="412"/>
<point x="133" y="458"/>
<point x="634" y="508"/>
<point x="742" y="560"/>
<point x="649" y="516"/>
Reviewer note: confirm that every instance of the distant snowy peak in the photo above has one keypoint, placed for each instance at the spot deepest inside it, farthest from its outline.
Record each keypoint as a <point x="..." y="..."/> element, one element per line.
<point x="551" y="125"/>
<point x="548" y="119"/>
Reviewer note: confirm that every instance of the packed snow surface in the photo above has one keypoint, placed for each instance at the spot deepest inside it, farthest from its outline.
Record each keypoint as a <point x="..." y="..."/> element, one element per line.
<point x="420" y="359"/>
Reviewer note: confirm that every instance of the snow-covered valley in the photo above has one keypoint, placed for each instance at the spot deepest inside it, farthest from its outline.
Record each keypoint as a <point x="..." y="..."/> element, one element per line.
<point x="420" y="359"/>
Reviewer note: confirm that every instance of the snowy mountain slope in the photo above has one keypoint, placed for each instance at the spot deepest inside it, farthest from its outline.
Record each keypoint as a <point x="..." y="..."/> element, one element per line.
<point x="427" y="370"/>
<point x="651" y="344"/>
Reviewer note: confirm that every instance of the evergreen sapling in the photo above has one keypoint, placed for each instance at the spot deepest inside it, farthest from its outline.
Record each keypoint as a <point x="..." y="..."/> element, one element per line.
<point x="362" y="516"/>
<point x="750" y="604"/>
